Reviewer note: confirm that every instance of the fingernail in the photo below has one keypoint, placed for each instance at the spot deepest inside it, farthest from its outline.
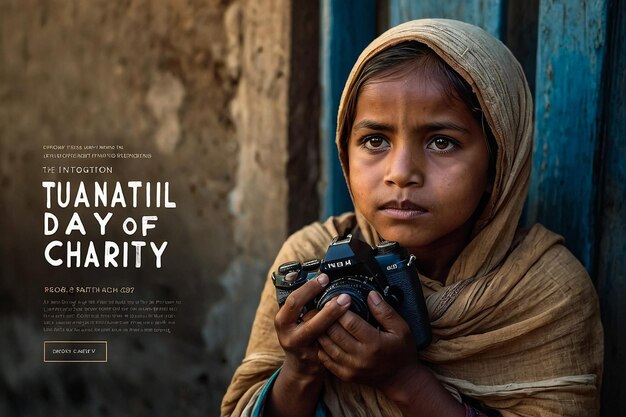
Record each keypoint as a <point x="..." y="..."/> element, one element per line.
<point x="343" y="300"/>
<point x="291" y="276"/>
<point x="376" y="298"/>
<point x="322" y="279"/>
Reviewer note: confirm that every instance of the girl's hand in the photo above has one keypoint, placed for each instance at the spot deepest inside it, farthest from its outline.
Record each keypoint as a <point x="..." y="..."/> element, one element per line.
<point x="298" y="337"/>
<point x="386" y="359"/>
<point x="355" y="351"/>
<point x="299" y="384"/>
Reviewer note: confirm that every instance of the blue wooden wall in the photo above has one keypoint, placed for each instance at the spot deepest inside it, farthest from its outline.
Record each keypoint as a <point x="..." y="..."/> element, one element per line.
<point x="347" y="27"/>
<point x="574" y="55"/>
<point x="568" y="110"/>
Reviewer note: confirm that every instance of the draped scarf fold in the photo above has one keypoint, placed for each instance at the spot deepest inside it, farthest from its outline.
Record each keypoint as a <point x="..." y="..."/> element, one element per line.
<point x="516" y="324"/>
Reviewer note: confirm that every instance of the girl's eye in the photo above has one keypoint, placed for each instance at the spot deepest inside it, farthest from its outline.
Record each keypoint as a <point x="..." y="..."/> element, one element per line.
<point x="375" y="143"/>
<point x="442" y="144"/>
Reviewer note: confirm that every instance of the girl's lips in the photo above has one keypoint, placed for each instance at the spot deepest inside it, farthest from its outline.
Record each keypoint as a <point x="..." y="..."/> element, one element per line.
<point x="402" y="209"/>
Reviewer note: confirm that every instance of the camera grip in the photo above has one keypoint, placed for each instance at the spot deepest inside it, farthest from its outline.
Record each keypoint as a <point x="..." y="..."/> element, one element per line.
<point x="412" y="307"/>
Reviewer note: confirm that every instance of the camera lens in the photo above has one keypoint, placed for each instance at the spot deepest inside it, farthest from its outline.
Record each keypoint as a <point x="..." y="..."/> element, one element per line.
<point x="356" y="288"/>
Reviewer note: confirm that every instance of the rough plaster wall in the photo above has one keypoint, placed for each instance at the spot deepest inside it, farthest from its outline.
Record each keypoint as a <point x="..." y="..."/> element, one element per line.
<point x="259" y="199"/>
<point x="202" y="84"/>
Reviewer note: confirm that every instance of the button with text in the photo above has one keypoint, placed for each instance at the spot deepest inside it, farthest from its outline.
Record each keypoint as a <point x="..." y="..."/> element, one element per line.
<point x="75" y="351"/>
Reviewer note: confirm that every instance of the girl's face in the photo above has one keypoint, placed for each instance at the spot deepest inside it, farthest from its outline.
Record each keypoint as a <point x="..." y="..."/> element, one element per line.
<point x="418" y="164"/>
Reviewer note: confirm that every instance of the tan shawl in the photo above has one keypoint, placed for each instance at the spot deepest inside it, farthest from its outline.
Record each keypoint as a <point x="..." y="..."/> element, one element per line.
<point x="516" y="324"/>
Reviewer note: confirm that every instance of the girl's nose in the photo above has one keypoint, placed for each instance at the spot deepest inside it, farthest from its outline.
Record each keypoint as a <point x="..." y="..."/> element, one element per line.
<point x="404" y="167"/>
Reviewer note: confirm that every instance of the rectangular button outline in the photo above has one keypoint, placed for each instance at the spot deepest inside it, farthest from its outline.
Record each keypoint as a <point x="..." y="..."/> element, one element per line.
<point x="106" y="350"/>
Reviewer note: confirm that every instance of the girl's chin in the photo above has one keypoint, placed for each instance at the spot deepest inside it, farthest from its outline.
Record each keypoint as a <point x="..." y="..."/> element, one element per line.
<point x="408" y="239"/>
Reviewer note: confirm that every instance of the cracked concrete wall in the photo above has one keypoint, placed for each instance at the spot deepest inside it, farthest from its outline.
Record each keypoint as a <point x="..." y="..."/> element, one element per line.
<point x="205" y="86"/>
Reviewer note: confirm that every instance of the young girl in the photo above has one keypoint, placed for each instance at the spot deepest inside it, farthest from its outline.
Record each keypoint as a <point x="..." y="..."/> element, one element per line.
<point x="435" y="137"/>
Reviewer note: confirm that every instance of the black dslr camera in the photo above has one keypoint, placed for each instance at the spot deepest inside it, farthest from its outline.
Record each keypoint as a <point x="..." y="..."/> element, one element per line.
<point x="355" y="268"/>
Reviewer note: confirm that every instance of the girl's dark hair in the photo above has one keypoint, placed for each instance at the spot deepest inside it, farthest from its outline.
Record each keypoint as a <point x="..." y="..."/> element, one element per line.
<point x="399" y="58"/>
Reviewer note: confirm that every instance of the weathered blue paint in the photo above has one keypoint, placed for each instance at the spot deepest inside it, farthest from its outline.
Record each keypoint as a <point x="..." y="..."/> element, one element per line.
<point x="488" y="14"/>
<point x="347" y="27"/>
<point x="570" y="62"/>
<point x="611" y="262"/>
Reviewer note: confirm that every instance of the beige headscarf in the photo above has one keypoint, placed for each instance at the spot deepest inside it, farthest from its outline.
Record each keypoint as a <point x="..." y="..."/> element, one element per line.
<point x="516" y="324"/>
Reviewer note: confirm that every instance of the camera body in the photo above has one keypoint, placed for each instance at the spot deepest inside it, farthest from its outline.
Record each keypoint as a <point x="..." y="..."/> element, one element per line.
<point x="355" y="268"/>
